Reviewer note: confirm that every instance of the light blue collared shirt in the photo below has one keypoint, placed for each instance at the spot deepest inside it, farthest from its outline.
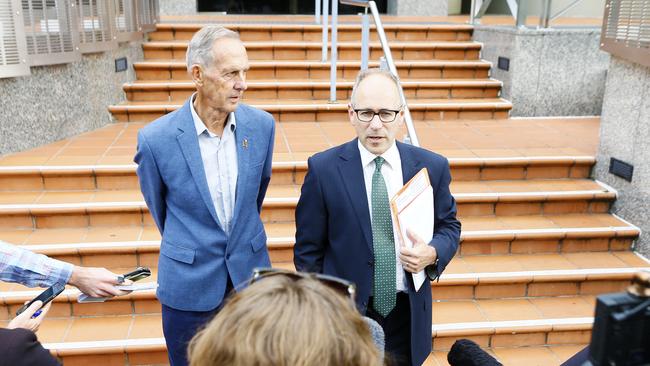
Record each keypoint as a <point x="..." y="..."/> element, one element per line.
<point x="219" y="155"/>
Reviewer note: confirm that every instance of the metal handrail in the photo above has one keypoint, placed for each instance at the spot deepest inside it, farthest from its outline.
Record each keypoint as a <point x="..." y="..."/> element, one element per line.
<point x="387" y="54"/>
<point x="334" y="50"/>
<point x="519" y="11"/>
<point x="324" y="23"/>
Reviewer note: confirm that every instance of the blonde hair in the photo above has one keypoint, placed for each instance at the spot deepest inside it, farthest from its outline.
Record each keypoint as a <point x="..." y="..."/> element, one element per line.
<point x="283" y="321"/>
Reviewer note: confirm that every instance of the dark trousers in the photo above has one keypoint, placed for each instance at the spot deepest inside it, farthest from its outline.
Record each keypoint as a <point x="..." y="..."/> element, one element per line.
<point x="180" y="326"/>
<point x="397" y="330"/>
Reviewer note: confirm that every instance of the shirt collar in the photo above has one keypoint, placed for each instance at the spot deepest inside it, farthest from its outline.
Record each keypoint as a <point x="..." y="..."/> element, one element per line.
<point x="200" y="126"/>
<point x="391" y="155"/>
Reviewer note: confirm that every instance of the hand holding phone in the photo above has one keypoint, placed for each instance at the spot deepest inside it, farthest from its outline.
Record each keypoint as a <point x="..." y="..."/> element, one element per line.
<point x="30" y="315"/>
<point x="44" y="297"/>
<point x="138" y="274"/>
<point x="96" y="282"/>
<point x="27" y="320"/>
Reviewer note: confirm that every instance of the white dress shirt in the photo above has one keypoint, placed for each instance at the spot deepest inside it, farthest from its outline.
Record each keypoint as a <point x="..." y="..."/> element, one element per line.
<point x="219" y="155"/>
<point x="391" y="170"/>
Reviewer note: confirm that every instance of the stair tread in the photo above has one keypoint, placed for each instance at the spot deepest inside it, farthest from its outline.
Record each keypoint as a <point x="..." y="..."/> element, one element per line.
<point x="540" y="265"/>
<point x="55" y="331"/>
<point x="464" y="191"/>
<point x="457" y="316"/>
<point x="308" y="104"/>
<point x="281" y="235"/>
<point x="26" y="163"/>
<point x="174" y="84"/>
<point x="484" y="226"/>
<point x="503" y="270"/>
<point x="523" y="139"/>
<point x="171" y="63"/>
<point x="316" y="44"/>
<point x="67" y="335"/>
<point x="455" y="313"/>
<point x="450" y="318"/>
<point x="339" y="104"/>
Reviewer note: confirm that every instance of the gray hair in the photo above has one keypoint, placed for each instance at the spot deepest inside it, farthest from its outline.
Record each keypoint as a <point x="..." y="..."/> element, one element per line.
<point x="199" y="50"/>
<point x="374" y="71"/>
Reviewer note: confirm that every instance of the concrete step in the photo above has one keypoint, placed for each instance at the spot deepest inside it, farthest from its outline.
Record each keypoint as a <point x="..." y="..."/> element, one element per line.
<point x="313" y="32"/>
<point x="136" y="338"/>
<point x="514" y="322"/>
<point x="121" y="177"/>
<point x="51" y="209"/>
<point x="309" y="110"/>
<point x="163" y="91"/>
<point x="112" y="245"/>
<point x="537" y="275"/>
<point x="314" y="70"/>
<point x="132" y="324"/>
<point x="515" y="148"/>
<point x="302" y="50"/>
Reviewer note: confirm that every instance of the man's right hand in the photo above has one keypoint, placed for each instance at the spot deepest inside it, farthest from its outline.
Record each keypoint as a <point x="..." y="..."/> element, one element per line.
<point x="96" y="282"/>
<point x="24" y="320"/>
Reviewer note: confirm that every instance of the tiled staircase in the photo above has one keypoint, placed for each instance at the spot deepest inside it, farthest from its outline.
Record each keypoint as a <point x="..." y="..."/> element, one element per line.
<point x="537" y="245"/>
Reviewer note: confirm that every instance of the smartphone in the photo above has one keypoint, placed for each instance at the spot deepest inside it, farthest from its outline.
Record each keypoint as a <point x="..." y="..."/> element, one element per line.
<point x="45" y="296"/>
<point x="138" y="274"/>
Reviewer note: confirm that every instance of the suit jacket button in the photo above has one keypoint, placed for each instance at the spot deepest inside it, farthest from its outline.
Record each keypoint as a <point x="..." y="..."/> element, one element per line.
<point x="227" y="257"/>
<point x="371" y="263"/>
<point x="365" y="303"/>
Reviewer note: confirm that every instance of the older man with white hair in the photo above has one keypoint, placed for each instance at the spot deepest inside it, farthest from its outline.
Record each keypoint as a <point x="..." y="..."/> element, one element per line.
<point x="204" y="170"/>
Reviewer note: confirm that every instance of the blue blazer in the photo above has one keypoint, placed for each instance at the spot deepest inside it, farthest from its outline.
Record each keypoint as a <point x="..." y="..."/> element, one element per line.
<point x="334" y="234"/>
<point x="196" y="256"/>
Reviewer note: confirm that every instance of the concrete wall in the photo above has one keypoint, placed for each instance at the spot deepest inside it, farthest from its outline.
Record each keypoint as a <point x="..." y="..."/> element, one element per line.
<point x="625" y="135"/>
<point x="178" y="7"/>
<point x="585" y="8"/>
<point x="59" y="101"/>
<point x="553" y="72"/>
<point x="418" y="7"/>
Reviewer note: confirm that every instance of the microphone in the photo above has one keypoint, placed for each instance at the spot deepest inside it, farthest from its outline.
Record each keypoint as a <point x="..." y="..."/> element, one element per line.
<point x="467" y="353"/>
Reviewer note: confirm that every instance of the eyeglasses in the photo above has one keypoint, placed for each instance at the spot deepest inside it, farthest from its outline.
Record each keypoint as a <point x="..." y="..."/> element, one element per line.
<point x="346" y="288"/>
<point x="385" y="115"/>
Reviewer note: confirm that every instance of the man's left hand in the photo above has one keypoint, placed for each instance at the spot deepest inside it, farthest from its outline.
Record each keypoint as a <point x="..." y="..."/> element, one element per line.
<point x="419" y="256"/>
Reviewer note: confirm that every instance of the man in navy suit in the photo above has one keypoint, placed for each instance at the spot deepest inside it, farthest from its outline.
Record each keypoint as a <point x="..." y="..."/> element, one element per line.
<point x="204" y="170"/>
<point x="344" y="227"/>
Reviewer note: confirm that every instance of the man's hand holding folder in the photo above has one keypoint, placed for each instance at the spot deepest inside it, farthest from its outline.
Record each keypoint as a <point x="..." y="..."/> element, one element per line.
<point x="420" y="255"/>
<point x="412" y="210"/>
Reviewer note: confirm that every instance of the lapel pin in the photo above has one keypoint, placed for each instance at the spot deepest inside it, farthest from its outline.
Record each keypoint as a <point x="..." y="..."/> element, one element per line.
<point x="244" y="144"/>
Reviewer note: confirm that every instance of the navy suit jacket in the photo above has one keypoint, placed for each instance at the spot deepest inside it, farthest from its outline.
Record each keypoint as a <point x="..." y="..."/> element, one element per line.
<point x="334" y="234"/>
<point x="196" y="255"/>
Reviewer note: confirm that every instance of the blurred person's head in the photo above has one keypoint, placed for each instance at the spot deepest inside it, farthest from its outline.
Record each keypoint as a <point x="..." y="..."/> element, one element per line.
<point x="284" y="320"/>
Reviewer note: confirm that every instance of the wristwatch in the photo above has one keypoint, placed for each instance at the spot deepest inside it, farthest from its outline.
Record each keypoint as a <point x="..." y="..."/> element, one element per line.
<point x="432" y="271"/>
